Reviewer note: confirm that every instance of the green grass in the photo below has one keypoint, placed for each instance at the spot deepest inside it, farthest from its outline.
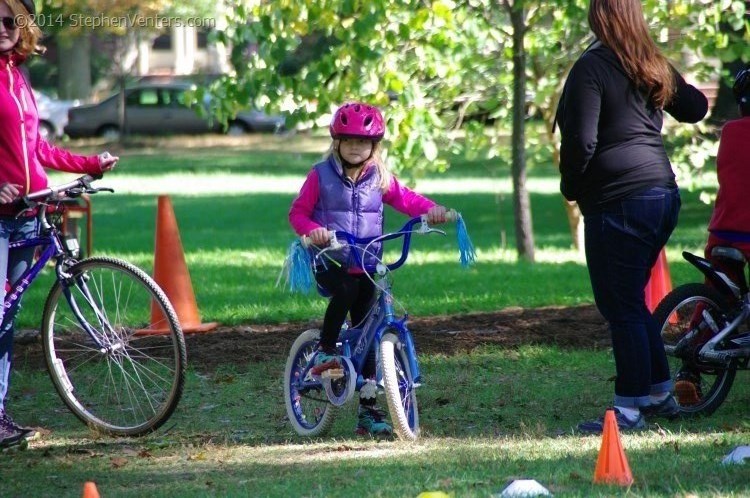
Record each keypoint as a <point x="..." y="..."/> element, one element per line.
<point x="487" y="417"/>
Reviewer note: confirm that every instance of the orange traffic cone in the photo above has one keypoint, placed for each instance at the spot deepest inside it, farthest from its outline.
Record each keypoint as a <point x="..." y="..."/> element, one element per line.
<point x="89" y="490"/>
<point x="612" y="466"/>
<point x="660" y="282"/>
<point x="171" y="273"/>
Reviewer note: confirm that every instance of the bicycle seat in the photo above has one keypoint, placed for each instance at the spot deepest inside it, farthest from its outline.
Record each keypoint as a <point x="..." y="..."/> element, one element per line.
<point x="728" y="253"/>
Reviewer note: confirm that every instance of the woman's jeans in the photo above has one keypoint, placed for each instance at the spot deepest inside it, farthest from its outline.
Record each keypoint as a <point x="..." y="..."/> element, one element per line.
<point x="623" y="240"/>
<point x="12" y="266"/>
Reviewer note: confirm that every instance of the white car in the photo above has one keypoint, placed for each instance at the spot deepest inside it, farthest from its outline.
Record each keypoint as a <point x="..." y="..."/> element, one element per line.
<point x="53" y="115"/>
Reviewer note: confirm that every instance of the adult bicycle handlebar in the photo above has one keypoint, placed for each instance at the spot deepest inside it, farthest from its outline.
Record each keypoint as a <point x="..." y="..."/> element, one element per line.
<point x="75" y="188"/>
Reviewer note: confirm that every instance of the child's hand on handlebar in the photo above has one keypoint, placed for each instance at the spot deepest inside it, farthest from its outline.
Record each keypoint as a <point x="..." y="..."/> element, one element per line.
<point x="319" y="236"/>
<point x="107" y="161"/>
<point x="436" y="215"/>
<point x="9" y="192"/>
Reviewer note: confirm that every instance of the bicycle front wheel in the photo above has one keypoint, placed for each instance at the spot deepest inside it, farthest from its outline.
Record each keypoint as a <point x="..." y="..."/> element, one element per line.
<point x="400" y="390"/>
<point x="114" y="347"/>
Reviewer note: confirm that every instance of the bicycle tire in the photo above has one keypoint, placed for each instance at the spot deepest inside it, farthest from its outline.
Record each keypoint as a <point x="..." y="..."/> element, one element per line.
<point x="131" y="387"/>
<point x="308" y="410"/>
<point x="674" y="315"/>
<point x="400" y="392"/>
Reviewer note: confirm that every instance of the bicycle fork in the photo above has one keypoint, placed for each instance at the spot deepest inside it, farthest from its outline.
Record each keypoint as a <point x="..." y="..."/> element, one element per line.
<point x="67" y="282"/>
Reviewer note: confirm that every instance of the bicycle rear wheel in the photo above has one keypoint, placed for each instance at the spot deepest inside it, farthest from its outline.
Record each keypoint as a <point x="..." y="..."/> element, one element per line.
<point x="119" y="376"/>
<point x="307" y="405"/>
<point x="679" y="314"/>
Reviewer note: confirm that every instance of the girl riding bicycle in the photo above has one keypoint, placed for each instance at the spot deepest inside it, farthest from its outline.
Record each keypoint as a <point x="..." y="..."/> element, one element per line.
<point x="346" y="191"/>
<point x="23" y="155"/>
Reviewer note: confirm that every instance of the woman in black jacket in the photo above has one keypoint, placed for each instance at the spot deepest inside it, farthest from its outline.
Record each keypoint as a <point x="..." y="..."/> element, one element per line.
<point x="613" y="163"/>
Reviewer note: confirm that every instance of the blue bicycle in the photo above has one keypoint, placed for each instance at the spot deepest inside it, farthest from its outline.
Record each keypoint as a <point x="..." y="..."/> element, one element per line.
<point x="112" y="343"/>
<point x="312" y="402"/>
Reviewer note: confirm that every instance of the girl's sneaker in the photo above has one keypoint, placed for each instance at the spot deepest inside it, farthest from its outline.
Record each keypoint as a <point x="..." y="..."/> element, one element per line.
<point x="327" y="365"/>
<point x="371" y="422"/>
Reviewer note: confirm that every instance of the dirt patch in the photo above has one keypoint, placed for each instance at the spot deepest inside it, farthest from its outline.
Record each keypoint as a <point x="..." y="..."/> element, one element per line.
<point x="580" y="327"/>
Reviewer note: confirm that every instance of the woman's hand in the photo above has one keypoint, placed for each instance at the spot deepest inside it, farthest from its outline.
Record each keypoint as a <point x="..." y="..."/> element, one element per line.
<point x="9" y="192"/>
<point x="436" y="215"/>
<point x="107" y="161"/>
<point x="319" y="236"/>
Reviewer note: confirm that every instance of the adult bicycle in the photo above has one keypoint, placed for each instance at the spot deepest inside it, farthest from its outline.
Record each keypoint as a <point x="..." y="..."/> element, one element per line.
<point x="112" y="343"/>
<point x="312" y="401"/>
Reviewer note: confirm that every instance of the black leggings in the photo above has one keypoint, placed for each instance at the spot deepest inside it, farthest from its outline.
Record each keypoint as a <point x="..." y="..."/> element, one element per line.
<point x="351" y="294"/>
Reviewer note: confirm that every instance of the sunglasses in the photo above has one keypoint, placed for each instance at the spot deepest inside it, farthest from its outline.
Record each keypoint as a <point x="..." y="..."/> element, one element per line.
<point x="9" y="23"/>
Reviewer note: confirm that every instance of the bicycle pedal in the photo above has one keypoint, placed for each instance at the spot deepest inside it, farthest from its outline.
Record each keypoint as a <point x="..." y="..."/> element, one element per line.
<point x="332" y="373"/>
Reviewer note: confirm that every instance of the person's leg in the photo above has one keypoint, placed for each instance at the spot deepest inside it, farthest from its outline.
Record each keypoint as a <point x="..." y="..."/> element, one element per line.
<point x="17" y="262"/>
<point x="371" y="420"/>
<point x="622" y="241"/>
<point x="9" y="434"/>
<point x="344" y="289"/>
<point x="360" y="309"/>
<point x="6" y="336"/>
<point x="661" y="381"/>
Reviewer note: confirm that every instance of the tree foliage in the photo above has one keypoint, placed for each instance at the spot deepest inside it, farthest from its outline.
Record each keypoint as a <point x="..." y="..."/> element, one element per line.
<point x="433" y="65"/>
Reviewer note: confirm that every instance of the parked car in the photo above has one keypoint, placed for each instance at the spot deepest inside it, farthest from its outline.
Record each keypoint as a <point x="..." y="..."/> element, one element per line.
<point x="53" y="115"/>
<point x="160" y="109"/>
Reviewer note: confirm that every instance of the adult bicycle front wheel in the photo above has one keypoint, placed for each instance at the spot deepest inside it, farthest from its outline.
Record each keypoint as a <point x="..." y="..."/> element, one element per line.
<point x="400" y="390"/>
<point x="114" y="347"/>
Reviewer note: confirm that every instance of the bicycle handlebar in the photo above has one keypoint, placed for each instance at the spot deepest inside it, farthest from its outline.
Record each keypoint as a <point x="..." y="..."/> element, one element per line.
<point x="75" y="188"/>
<point x="405" y="231"/>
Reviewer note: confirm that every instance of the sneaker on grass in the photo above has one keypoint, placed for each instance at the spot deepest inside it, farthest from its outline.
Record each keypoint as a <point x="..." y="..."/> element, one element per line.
<point x="9" y="435"/>
<point x="371" y="421"/>
<point x="668" y="409"/>
<point x="623" y="423"/>
<point x="28" y="433"/>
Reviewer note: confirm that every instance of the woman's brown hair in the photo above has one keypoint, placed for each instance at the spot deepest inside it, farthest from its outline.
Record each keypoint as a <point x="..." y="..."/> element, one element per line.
<point x="620" y="25"/>
<point x="30" y="34"/>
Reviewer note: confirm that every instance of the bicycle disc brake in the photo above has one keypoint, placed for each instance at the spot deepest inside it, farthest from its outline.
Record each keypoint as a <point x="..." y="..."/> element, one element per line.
<point x="340" y="391"/>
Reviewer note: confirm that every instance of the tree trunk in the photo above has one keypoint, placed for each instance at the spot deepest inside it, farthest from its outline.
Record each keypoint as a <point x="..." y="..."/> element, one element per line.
<point x="521" y="201"/>
<point x="74" y="67"/>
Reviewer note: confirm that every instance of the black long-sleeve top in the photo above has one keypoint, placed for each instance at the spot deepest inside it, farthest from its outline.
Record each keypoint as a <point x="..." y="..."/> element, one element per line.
<point x="611" y="133"/>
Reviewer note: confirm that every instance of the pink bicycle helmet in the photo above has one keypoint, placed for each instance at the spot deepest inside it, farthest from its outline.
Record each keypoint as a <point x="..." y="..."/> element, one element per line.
<point x="358" y="120"/>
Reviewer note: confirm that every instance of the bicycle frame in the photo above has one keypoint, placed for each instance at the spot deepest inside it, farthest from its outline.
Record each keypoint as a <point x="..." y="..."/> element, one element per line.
<point x="729" y="289"/>
<point x="49" y="241"/>
<point x="357" y="342"/>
